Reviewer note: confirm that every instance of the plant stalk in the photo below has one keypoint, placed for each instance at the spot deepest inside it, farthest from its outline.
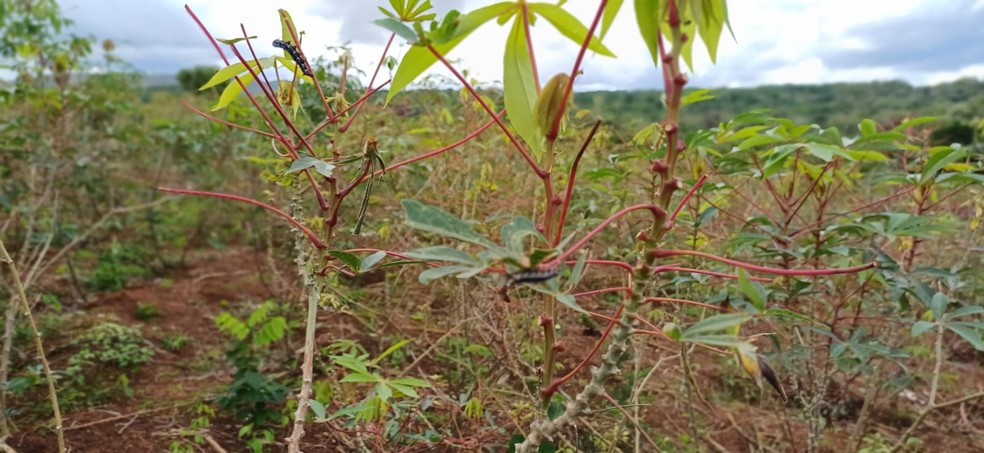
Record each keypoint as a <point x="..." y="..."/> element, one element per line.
<point x="38" y="343"/>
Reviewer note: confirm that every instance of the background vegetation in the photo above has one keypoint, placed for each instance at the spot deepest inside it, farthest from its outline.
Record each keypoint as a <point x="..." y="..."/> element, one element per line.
<point x="179" y="322"/>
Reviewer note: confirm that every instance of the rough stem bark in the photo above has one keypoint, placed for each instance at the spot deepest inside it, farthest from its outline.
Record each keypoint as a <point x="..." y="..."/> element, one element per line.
<point x="53" y="396"/>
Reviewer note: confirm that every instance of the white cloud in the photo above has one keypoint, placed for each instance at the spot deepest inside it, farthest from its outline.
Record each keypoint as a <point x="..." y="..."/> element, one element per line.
<point x="778" y="41"/>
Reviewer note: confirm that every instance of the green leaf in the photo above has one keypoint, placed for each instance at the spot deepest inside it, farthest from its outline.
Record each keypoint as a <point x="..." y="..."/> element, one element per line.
<point x="914" y="122"/>
<point x="921" y="327"/>
<point x="964" y="311"/>
<point x="232" y="326"/>
<point x="231" y="91"/>
<point x="233" y="70"/>
<point x="272" y="331"/>
<point x="285" y="19"/>
<point x="752" y="290"/>
<point x="435" y="273"/>
<point x="305" y="162"/>
<point x="418" y="59"/>
<point x="715" y="323"/>
<point x="360" y="377"/>
<point x="784" y="313"/>
<point x="395" y="26"/>
<point x="349" y="259"/>
<point x="696" y="96"/>
<point x="577" y="272"/>
<point x="390" y="350"/>
<point x="648" y="19"/>
<point x="442" y="253"/>
<point x="710" y="17"/>
<point x="569" y="301"/>
<point x="868" y="127"/>
<point x="969" y="332"/>
<point x="938" y="305"/>
<point x="515" y="232"/>
<point x="232" y="41"/>
<point x="405" y="390"/>
<point x="352" y="363"/>
<point x="437" y="221"/>
<point x="569" y="26"/>
<point x="826" y="153"/>
<point x="519" y="88"/>
<point x="411" y="382"/>
<point x="611" y="10"/>
<point x="383" y="391"/>
<point x="318" y="409"/>
<point x="723" y="340"/>
<point x="938" y="160"/>
<point x="371" y="260"/>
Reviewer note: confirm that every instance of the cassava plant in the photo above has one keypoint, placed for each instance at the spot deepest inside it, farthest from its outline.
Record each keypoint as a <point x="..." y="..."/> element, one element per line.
<point x="536" y="113"/>
<point x="536" y="265"/>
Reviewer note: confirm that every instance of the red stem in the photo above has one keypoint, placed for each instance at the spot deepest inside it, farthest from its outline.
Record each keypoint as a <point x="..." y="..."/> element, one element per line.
<point x="686" y="197"/>
<point x="593" y="292"/>
<point x="674" y="268"/>
<point x="529" y="160"/>
<point x="321" y="199"/>
<point x="314" y="239"/>
<point x="371" y="81"/>
<point x="682" y="301"/>
<point x="651" y="207"/>
<point x="767" y="270"/>
<point x="570" y="182"/>
<point x="555" y="385"/>
<point x="436" y="151"/>
<point x="552" y="134"/>
<point x="529" y="46"/>
<point x="224" y="122"/>
<point x="355" y="104"/>
<point x="293" y="34"/>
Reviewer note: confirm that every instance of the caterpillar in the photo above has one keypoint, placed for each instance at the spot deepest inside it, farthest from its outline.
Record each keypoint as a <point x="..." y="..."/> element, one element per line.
<point x="294" y="55"/>
<point x="534" y="275"/>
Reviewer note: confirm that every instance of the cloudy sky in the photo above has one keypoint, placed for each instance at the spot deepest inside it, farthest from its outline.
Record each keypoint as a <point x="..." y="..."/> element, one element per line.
<point x="776" y="41"/>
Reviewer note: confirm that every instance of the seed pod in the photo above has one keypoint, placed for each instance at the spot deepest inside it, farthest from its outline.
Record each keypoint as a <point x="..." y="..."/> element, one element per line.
<point x="548" y="104"/>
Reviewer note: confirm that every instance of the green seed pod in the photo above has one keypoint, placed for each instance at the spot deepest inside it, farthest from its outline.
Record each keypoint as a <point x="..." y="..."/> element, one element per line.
<point x="548" y="104"/>
<point x="672" y="330"/>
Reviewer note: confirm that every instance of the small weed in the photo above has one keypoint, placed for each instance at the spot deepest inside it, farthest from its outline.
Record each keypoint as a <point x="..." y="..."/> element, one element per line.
<point x="112" y="344"/>
<point x="175" y="341"/>
<point x="146" y="312"/>
<point x="116" y="267"/>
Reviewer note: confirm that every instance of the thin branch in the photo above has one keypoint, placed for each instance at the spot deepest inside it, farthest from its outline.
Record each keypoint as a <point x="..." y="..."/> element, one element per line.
<point x="38" y="344"/>
<point x="307" y="232"/>
<point x="767" y="270"/>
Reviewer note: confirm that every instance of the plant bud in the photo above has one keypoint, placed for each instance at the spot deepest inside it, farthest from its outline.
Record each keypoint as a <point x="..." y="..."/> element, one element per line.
<point x="548" y="104"/>
<point x="672" y="331"/>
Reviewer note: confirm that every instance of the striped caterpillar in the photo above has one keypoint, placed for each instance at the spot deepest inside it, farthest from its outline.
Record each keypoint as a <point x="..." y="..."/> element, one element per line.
<point x="534" y="275"/>
<point x="294" y="55"/>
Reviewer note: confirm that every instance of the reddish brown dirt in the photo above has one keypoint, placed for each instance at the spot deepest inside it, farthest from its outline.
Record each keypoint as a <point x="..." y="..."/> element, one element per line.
<point x="167" y="389"/>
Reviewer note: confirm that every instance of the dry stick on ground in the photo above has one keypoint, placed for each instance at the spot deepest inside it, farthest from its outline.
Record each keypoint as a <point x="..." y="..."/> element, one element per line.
<point x="5" y="257"/>
<point x="931" y="405"/>
<point x="122" y="416"/>
<point x="39" y="269"/>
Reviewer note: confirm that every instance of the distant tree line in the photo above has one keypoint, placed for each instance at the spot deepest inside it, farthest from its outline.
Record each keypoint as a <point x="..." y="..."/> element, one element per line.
<point x="959" y="104"/>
